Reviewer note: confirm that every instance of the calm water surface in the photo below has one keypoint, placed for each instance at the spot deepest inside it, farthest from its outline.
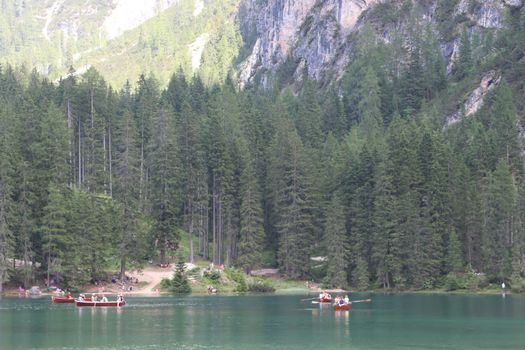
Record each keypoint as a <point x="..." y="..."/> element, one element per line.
<point x="268" y="322"/>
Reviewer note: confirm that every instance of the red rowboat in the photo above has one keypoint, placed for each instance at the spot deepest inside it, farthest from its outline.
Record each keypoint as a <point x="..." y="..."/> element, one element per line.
<point x="100" y="303"/>
<point x="325" y="300"/>
<point x="342" y="307"/>
<point x="62" y="300"/>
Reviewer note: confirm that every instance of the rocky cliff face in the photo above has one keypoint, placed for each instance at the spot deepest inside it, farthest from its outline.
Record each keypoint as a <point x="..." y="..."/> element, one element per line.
<point x="307" y="33"/>
<point x="311" y="37"/>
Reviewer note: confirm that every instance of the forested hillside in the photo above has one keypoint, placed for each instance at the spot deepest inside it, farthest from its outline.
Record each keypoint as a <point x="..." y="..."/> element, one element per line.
<point x="121" y="38"/>
<point x="369" y="173"/>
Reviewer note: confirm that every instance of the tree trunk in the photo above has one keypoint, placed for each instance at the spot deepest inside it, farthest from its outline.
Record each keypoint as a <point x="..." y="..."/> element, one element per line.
<point x="70" y="141"/>
<point x="123" y="268"/>
<point x="190" y="231"/>
<point x="48" y="265"/>
<point x="79" y="155"/>
<point x="110" y="163"/>
<point x="214" y="222"/>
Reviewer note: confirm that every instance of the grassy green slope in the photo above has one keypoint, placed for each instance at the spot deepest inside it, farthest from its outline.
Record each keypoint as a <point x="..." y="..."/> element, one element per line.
<point x="160" y="46"/>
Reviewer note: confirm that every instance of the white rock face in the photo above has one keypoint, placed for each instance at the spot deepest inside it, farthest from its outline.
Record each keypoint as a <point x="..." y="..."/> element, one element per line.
<point x="475" y="100"/>
<point x="129" y="14"/>
<point x="199" y="6"/>
<point x="515" y="3"/>
<point x="311" y="31"/>
<point x="50" y="12"/>
<point x="196" y="49"/>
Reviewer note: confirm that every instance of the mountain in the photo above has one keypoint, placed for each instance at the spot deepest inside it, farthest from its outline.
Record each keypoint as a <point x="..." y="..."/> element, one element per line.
<point x="260" y="41"/>
<point x="316" y="38"/>
<point x="121" y="38"/>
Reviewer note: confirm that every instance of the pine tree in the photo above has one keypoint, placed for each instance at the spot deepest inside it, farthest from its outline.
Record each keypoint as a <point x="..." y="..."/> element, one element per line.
<point x="128" y="175"/>
<point x="337" y="245"/>
<point x="497" y="239"/>
<point x="164" y="187"/>
<point x="145" y="105"/>
<point x="454" y="255"/>
<point x="251" y="240"/>
<point x="292" y="205"/>
<point x="385" y="253"/>
<point x="369" y="106"/>
<point x="502" y="123"/>
<point x="464" y="65"/>
<point x="307" y="119"/>
<point x="6" y="236"/>
<point x="54" y="230"/>
<point x="180" y="283"/>
<point x="192" y="179"/>
<point x="412" y="84"/>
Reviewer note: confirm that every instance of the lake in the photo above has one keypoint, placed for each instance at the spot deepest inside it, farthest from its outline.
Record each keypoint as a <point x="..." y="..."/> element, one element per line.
<point x="393" y="321"/>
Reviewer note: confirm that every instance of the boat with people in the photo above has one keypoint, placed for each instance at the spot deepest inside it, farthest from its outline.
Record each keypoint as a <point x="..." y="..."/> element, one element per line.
<point x="325" y="298"/>
<point x="81" y="301"/>
<point x="68" y="299"/>
<point x="342" y="307"/>
<point x="344" y="304"/>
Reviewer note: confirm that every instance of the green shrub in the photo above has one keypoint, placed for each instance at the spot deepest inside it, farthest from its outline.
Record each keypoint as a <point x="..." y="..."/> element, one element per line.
<point x="261" y="286"/>
<point x="239" y="279"/>
<point x="518" y="285"/>
<point x="165" y="284"/>
<point x="195" y="272"/>
<point x="213" y="275"/>
<point x="470" y="281"/>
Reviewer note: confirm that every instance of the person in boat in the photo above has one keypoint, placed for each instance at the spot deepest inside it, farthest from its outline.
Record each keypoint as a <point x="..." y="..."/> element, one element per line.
<point x="104" y="299"/>
<point x="68" y="295"/>
<point x="94" y="297"/>
<point x="337" y="299"/>
<point x="120" y="298"/>
<point x="342" y="301"/>
<point x="81" y="297"/>
<point x="347" y="300"/>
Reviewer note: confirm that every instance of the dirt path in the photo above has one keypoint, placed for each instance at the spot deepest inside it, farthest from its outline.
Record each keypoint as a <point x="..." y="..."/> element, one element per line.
<point x="152" y="275"/>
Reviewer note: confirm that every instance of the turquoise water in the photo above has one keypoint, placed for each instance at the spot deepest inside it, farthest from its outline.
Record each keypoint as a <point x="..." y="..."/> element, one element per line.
<point x="401" y="321"/>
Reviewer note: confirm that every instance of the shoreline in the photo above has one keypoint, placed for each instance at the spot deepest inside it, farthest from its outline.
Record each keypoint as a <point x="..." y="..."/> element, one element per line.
<point x="286" y="291"/>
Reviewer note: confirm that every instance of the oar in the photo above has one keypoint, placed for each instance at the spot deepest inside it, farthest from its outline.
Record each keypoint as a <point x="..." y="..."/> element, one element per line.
<point x="315" y="302"/>
<point x="361" y="301"/>
<point x="309" y="299"/>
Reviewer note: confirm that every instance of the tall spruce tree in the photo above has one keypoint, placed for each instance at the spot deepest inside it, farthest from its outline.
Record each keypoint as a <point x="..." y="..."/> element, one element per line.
<point x="337" y="244"/>
<point x="498" y="234"/>
<point x="292" y="203"/>
<point x="54" y="231"/>
<point x="164" y="187"/>
<point x="251" y="240"/>
<point x="128" y="175"/>
<point x="7" y="241"/>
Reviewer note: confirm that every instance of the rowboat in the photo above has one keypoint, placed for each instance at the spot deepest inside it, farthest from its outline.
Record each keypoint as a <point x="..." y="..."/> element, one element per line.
<point x="325" y="300"/>
<point x="83" y="303"/>
<point x="62" y="300"/>
<point x="342" y="307"/>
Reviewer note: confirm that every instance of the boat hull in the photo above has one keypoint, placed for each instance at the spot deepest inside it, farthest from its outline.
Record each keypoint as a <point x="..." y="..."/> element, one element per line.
<point x="62" y="300"/>
<point x="100" y="303"/>
<point x="325" y="301"/>
<point x="344" y="307"/>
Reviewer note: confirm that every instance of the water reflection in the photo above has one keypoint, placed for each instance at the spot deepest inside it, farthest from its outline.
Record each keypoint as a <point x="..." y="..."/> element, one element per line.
<point x="267" y="322"/>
